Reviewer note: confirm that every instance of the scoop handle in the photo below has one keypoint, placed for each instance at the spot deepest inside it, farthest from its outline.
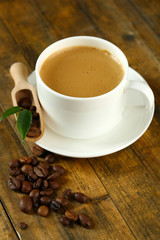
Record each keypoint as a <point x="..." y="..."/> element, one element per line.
<point x="19" y="72"/>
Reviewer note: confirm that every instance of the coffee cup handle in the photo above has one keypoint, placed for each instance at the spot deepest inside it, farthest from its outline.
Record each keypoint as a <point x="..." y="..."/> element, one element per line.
<point x="144" y="89"/>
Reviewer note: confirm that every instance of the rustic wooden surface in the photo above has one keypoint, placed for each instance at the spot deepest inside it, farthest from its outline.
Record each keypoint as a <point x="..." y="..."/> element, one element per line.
<point x="124" y="187"/>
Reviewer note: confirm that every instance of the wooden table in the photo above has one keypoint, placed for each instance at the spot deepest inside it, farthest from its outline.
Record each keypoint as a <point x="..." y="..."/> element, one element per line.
<point x="123" y="187"/>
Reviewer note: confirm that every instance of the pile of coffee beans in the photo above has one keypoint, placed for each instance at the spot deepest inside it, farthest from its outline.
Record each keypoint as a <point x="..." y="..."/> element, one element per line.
<point x="38" y="181"/>
<point x="26" y="103"/>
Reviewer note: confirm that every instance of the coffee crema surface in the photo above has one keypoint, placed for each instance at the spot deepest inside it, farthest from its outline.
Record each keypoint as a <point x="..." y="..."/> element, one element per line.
<point x="82" y="71"/>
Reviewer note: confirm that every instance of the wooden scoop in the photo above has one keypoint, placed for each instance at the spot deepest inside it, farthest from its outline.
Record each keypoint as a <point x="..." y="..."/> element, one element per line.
<point x="25" y="90"/>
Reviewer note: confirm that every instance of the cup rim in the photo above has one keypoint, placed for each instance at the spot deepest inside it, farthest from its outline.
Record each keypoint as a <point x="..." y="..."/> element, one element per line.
<point x="81" y="98"/>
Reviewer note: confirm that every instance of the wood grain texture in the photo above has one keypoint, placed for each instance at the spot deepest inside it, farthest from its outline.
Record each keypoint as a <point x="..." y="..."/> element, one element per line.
<point x="6" y="229"/>
<point x="124" y="187"/>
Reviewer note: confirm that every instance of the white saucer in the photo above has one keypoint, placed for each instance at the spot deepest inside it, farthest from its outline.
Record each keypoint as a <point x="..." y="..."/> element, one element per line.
<point x="136" y="119"/>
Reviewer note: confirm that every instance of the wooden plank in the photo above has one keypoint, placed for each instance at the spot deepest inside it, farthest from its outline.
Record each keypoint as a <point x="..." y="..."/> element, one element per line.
<point x="144" y="17"/>
<point x="68" y="20"/>
<point x="128" y="179"/>
<point x="133" y="190"/>
<point x="6" y="230"/>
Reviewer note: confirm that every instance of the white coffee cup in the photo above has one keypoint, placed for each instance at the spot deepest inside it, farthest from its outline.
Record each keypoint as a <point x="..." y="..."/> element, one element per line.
<point x="91" y="117"/>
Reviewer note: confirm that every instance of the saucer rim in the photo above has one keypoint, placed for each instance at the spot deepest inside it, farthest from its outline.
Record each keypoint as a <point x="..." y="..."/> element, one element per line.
<point x="112" y="149"/>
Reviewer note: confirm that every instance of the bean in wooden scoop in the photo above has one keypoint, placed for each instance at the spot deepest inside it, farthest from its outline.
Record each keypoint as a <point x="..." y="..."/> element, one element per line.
<point x="25" y="94"/>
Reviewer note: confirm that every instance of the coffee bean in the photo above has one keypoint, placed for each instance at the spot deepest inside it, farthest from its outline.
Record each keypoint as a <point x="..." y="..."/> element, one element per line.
<point x="35" y="123"/>
<point x="34" y="193"/>
<point x="25" y="103"/>
<point x="85" y="220"/>
<point x="33" y="132"/>
<point x="50" y="158"/>
<point x="45" y="165"/>
<point x="38" y="183"/>
<point x="25" y="160"/>
<point x="27" y="169"/>
<point x="53" y="185"/>
<point x="45" y="200"/>
<point x="58" y="168"/>
<point x="21" y="177"/>
<point x="23" y="225"/>
<point x="72" y="216"/>
<point x="67" y="193"/>
<point x="35" y="116"/>
<point x="34" y="161"/>
<point x="14" y="171"/>
<point x="44" y="184"/>
<point x="54" y="206"/>
<point x="65" y="221"/>
<point x="13" y="163"/>
<point x="32" y="177"/>
<point x="53" y="176"/>
<point x="80" y="197"/>
<point x="36" y="202"/>
<point x="43" y="211"/>
<point x="33" y="109"/>
<point x="46" y="192"/>
<point x="14" y="183"/>
<point x="62" y="201"/>
<point x="26" y="187"/>
<point x="26" y="204"/>
<point x="38" y="151"/>
<point x="41" y="171"/>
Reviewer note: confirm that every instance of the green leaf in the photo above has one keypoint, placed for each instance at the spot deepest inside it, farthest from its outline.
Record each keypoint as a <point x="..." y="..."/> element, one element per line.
<point x="24" y="121"/>
<point x="10" y="111"/>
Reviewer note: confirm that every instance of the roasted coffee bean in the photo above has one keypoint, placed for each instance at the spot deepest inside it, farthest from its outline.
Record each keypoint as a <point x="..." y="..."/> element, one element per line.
<point x="34" y="193"/>
<point x="26" y="204"/>
<point x="27" y="169"/>
<point x="36" y="202"/>
<point x="80" y="197"/>
<point x="38" y="151"/>
<point x="25" y="160"/>
<point x="21" y="177"/>
<point x="14" y="171"/>
<point x="53" y="185"/>
<point x="45" y="165"/>
<point x="53" y="176"/>
<point x="25" y="103"/>
<point x="26" y="187"/>
<point x="33" y="109"/>
<point x="85" y="220"/>
<point x="50" y="158"/>
<point x="38" y="183"/>
<point x="13" y="163"/>
<point x="35" y="123"/>
<point x="62" y="201"/>
<point x="14" y="183"/>
<point x="32" y="177"/>
<point x="23" y="225"/>
<point x="33" y="132"/>
<point x="46" y="192"/>
<point x="43" y="211"/>
<point x="54" y="206"/>
<point x="41" y="171"/>
<point x="72" y="216"/>
<point x="34" y="161"/>
<point x="44" y="184"/>
<point x="58" y="168"/>
<point x="35" y="116"/>
<point x="67" y="193"/>
<point x="64" y="220"/>
<point x="45" y="200"/>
